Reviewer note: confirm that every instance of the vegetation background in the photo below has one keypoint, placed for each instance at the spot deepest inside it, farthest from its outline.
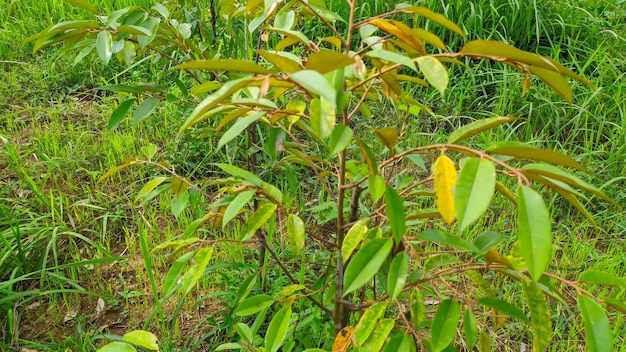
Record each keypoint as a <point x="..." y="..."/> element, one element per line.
<point x="79" y="272"/>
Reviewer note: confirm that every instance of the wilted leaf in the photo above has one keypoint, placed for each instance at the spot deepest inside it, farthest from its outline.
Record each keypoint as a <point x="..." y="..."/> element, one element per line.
<point x="343" y="339"/>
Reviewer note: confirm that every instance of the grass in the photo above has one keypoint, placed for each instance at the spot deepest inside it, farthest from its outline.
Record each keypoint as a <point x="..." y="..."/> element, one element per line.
<point x="67" y="242"/>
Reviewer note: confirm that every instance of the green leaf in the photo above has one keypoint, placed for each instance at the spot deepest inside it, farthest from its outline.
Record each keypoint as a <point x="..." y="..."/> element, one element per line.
<point x="540" y="322"/>
<point x="477" y="127"/>
<point x="535" y="235"/>
<point x="447" y="239"/>
<point x="145" y="109"/>
<point x="388" y="136"/>
<point x="392" y="57"/>
<point x="353" y="238"/>
<point x="196" y="270"/>
<point x="179" y="203"/>
<point x="379" y="335"/>
<point x="171" y="278"/>
<point x="232" y="65"/>
<point x="487" y="240"/>
<point x="435" y="72"/>
<point x="435" y="17"/>
<point x="85" y="5"/>
<point x="474" y="190"/>
<point x="288" y="291"/>
<point x="277" y="330"/>
<point x="520" y="150"/>
<point x="400" y="343"/>
<point x="142" y="338"/>
<point x="505" y="308"/>
<point x="119" y="114"/>
<point x="228" y="346"/>
<point x="282" y="63"/>
<point x="597" y="326"/>
<point x="558" y="174"/>
<point x="149" y="187"/>
<point x="121" y="88"/>
<point x="258" y="219"/>
<point x="368" y="321"/>
<point x="246" y="286"/>
<point x="470" y="328"/>
<point x="601" y="278"/>
<point x="213" y="100"/>
<point x="395" y="214"/>
<point x="104" y="46"/>
<point x="418" y="309"/>
<point x="253" y="305"/>
<point x="366" y="263"/>
<point x="369" y="156"/>
<point x="325" y="61"/>
<point x="317" y="84"/>
<point x="244" y="332"/>
<point x="235" y="206"/>
<point x="444" y="324"/>
<point x="117" y="346"/>
<point x="377" y="187"/>
<point x="340" y="139"/>
<point x="323" y="117"/>
<point x="241" y="173"/>
<point x="396" y="278"/>
<point x="295" y="229"/>
<point x="235" y="130"/>
<point x="555" y="81"/>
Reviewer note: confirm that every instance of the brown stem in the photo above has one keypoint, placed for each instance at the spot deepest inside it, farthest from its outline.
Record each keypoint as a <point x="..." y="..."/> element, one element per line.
<point x="293" y="280"/>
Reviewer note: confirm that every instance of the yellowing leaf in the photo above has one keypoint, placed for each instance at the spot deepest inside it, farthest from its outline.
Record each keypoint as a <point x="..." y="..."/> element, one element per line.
<point x="295" y="229"/>
<point x="325" y="60"/>
<point x="343" y="339"/>
<point x="353" y="238"/>
<point x="223" y="65"/>
<point x="388" y="136"/>
<point x="368" y="321"/>
<point x="435" y="72"/>
<point x="445" y="179"/>
<point x="540" y="321"/>
<point x="401" y="31"/>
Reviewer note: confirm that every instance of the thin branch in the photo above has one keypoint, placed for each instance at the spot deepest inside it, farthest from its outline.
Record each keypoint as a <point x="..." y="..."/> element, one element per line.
<point x="289" y="276"/>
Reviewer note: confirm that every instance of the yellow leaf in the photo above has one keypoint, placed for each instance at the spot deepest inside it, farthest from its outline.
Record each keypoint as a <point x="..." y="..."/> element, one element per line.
<point x="445" y="179"/>
<point x="400" y="31"/>
<point x="343" y="339"/>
